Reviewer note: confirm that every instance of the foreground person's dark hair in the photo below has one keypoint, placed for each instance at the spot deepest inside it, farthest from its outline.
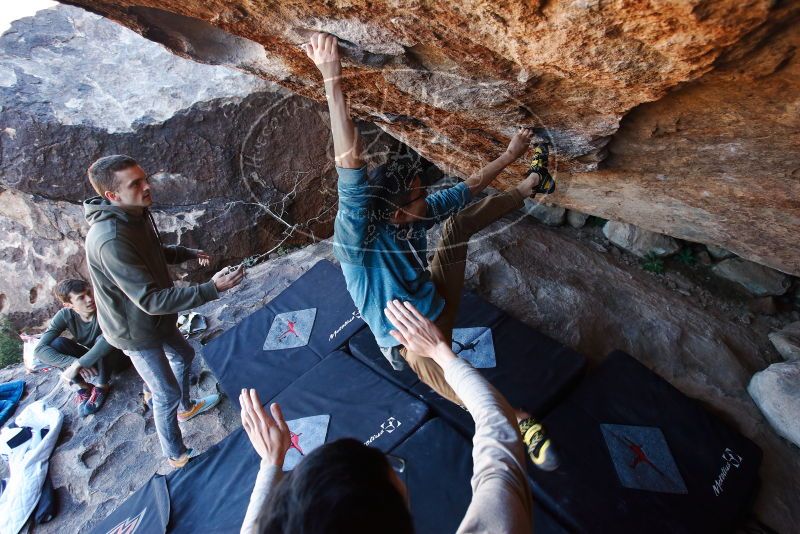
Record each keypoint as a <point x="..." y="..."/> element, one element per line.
<point x="341" y="487"/>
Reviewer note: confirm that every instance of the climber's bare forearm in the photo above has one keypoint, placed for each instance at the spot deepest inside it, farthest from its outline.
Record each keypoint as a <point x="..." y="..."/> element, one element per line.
<point x="346" y="145"/>
<point x="479" y="180"/>
<point x="323" y="50"/>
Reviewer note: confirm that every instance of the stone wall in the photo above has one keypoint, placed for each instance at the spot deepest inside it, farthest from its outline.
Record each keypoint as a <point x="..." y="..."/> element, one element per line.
<point x="229" y="154"/>
<point x="678" y="117"/>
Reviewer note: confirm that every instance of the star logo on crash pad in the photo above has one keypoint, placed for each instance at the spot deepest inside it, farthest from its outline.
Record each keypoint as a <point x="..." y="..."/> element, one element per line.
<point x="642" y="458"/>
<point x="476" y="345"/>
<point x="290" y="329"/>
<point x="306" y="434"/>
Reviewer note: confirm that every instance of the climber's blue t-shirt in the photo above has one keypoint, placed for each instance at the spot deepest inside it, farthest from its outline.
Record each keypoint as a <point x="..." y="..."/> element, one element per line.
<point x="382" y="261"/>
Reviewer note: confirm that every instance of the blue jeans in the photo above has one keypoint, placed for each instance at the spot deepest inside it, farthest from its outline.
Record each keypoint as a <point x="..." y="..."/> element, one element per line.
<point x="165" y="371"/>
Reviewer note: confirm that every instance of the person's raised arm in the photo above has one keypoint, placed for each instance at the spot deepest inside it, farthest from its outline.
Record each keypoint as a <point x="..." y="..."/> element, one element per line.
<point x="478" y="181"/>
<point x="323" y="49"/>
<point x="501" y="500"/>
<point x="269" y="434"/>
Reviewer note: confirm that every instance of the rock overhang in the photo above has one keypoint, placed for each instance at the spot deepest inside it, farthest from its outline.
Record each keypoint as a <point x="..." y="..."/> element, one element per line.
<point x="454" y="80"/>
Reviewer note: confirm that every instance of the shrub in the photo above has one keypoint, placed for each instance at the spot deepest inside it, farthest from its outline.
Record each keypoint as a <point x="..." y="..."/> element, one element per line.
<point x="595" y="222"/>
<point x="10" y="344"/>
<point x="653" y="264"/>
<point x="686" y="257"/>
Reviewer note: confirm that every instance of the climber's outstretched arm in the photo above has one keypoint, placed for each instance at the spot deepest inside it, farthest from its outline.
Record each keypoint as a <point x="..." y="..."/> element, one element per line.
<point x="479" y="180"/>
<point x="323" y="49"/>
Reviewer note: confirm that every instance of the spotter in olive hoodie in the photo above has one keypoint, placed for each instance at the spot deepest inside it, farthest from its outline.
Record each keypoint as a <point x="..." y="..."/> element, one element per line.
<point x="137" y="304"/>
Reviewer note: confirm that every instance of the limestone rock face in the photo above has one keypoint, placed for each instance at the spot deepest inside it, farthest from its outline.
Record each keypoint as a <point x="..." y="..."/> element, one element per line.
<point x="757" y="279"/>
<point x="787" y="341"/>
<point x="230" y="155"/>
<point x="676" y="117"/>
<point x="549" y="215"/>
<point x="775" y="391"/>
<point x="719" y="253"/>
<point x="638" y="241"/>
<point x="577" y="219"/>
<point x="42" y="244"/>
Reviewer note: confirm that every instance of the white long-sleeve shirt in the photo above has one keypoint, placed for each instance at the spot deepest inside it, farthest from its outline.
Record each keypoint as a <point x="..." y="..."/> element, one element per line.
<point x="501" y="498"/>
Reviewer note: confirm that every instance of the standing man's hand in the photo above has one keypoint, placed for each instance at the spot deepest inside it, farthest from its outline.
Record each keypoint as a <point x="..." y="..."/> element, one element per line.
<point x="323" y="49"/>
<point x="269" y="435"/>
<point x="417" y="333"/>
<point x="203" y="259"/>
<point x="519" y="143"/>
<point x="224" y="280"/>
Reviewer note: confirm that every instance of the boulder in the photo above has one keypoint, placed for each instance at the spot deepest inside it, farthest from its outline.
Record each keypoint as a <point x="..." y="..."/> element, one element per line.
<point x="639" y="241"/>
<point x="634" y="80"/>
<point x="794" y="295"/>
<point x="758" y="280"/>
<point x="576" y="219"/>
<point x="787" y="341"/>
<point x="704" y="258"/>
<point x="544" y="213"/>
<point x="719" y="253"/>
<point x="230" y="154"/>
<point x="42" y="244"/>
<point x="776" y="392"/>
<point x="763" y="305"/>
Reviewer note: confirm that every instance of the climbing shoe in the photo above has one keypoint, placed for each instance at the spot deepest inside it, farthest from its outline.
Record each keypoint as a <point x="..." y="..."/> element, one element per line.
<point x="200" y="406"/>
<point x="82" y="397"/>
<point x="94" y="402"/>
<point x="540" y="449"/>
<point x="538" y="165"/>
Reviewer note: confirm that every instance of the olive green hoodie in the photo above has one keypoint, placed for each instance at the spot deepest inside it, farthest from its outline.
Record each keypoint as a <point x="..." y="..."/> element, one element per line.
<point x="137" y="304"/>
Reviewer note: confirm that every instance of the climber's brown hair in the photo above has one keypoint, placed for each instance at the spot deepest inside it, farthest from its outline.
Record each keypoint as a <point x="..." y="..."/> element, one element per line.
<point x="102" y="173"/>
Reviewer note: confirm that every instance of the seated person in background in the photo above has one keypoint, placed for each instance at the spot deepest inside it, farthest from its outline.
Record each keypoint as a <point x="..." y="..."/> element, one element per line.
<point x="345" y="486"/>
<point x="87" y="354"/>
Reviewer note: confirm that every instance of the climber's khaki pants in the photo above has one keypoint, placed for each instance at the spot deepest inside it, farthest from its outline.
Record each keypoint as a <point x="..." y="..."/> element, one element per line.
<point x="447" y="273"/>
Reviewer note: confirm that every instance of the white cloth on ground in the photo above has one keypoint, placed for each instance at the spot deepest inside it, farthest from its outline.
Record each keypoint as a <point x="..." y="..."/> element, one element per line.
<point x="28" y="463"/>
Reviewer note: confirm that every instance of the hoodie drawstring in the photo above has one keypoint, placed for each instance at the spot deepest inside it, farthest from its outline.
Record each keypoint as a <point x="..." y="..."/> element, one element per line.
<point x="155" y="228"/>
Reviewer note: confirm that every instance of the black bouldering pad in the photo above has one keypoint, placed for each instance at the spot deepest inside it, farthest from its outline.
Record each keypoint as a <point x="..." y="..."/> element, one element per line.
<point x="147" y="510"/>
<point x="323" y="289"/>
<point x="361" y="403"/>
<point x="274" y="346"/>
<point x="211" y="493"/>
<point x="437" y="472"/>
<point x="530" y="369"/>
<point x="637" y="454"/>
<point x="438" y="468"/>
